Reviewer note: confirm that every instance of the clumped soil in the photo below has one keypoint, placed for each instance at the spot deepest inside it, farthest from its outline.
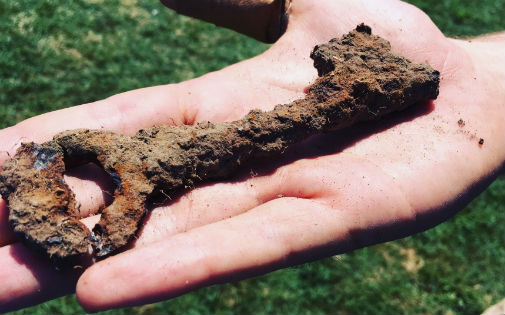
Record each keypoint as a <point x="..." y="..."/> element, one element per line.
<point x="359" y="80"/>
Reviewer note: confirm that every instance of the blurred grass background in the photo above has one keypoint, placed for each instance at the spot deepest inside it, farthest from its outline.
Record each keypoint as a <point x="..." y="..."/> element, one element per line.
<point x="55" y="54"/>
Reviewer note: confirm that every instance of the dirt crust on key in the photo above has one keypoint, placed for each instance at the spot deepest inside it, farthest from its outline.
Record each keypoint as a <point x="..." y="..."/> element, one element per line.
<point x="359" y="80"/>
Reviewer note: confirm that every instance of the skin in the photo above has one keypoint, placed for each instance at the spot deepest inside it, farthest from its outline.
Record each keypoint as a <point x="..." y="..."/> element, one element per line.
<point x="341" y="191"/>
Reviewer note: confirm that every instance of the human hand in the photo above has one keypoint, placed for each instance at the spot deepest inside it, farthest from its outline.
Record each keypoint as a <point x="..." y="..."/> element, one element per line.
<point x="264" y="20"/>
<point x="340" y="191"/>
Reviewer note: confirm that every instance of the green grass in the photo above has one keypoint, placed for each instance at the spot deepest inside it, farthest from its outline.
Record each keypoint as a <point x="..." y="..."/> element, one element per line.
<point x="55" y="54"/>
<point x="465" y="17"/>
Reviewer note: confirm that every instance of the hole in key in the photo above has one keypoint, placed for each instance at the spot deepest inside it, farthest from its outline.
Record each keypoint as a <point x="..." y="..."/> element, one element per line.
<point x="92" y="186"/>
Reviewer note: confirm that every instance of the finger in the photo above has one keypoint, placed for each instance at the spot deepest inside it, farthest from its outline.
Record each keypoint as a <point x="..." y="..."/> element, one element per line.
<point x="121" y="113"/>
<point x="265" y="20"/>
<point x="179" y="264"/>
<point x="273" y="235"/>
<point x="28" y="278"/>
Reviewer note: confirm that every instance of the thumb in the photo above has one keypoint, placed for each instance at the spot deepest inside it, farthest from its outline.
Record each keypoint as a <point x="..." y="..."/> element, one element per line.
<point x="265" y="20"/>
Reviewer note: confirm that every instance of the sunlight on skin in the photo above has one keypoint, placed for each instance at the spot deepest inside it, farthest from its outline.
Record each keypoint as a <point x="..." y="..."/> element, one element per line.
<point x="377" y="187"/>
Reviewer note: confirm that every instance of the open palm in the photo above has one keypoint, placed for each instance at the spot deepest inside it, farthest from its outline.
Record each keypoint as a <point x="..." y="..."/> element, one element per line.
<point x="330" y="194"/>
